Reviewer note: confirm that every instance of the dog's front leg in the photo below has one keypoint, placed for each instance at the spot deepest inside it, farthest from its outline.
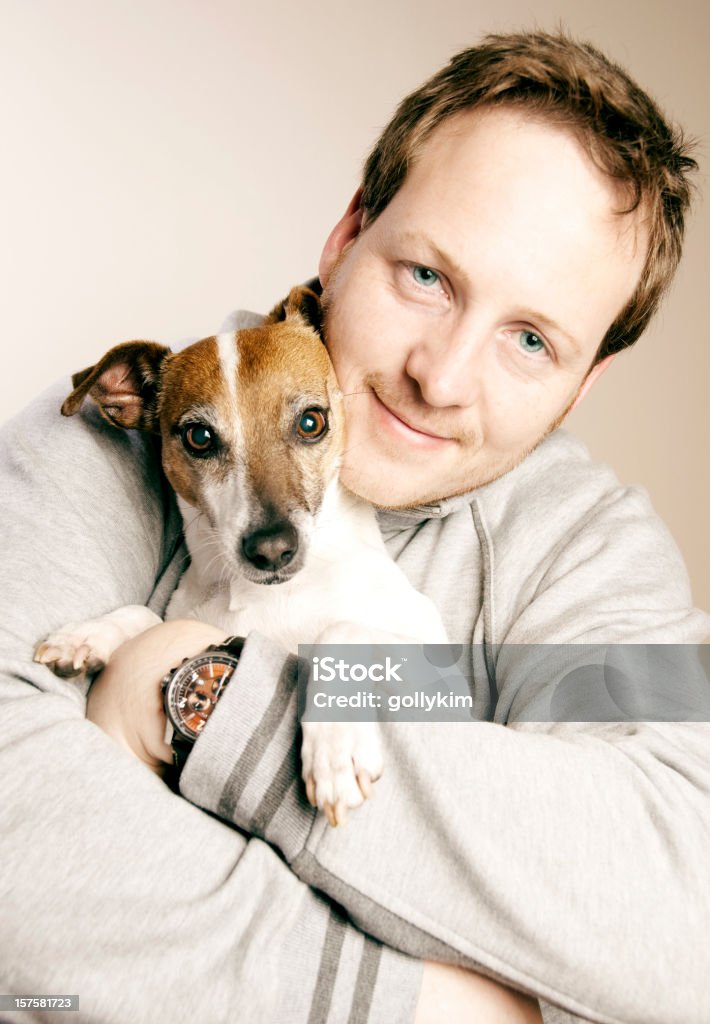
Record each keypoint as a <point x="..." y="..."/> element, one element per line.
<point x="81" y="648"/>
<point x="340" y="763"/>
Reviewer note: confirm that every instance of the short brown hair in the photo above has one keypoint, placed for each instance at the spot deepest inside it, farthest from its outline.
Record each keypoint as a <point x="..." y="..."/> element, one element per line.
<point x="571" y="83"/>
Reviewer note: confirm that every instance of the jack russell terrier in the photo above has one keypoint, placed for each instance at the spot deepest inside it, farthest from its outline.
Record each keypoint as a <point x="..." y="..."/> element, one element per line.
<point x="252" y="439"/>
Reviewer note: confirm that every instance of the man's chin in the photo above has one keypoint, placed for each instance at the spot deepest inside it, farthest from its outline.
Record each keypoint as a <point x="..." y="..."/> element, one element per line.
<point x="379" y="491"/>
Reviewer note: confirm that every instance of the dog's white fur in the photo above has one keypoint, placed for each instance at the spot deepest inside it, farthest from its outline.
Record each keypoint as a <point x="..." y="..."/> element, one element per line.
<point x="347" y="591"/>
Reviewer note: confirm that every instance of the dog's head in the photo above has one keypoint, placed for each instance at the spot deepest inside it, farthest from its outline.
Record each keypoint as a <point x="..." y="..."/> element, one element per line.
<point x="251" y="425"/>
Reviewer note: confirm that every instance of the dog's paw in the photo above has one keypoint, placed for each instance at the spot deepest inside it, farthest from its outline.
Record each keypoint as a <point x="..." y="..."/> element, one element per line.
<point x="341" y="761"/>
<point x="83" y="648"/>
<point x="78" y="649"/>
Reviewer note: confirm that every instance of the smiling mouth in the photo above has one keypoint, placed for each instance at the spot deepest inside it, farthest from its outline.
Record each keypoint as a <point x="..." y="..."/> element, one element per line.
<point x="398" y="424"/>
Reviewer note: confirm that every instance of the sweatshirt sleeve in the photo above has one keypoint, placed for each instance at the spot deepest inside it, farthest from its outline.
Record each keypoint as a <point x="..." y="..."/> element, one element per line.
<point x="568" y="861"/>
<point x="567" y="858"/>
<point x="111" y="886"/>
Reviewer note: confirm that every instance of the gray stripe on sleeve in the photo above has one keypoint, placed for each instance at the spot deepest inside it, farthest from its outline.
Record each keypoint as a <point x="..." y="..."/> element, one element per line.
<point x="328" y="968"/>
<point x="365" y="983"/>
<point x="279" y="787"/>
<point x="394" y="930"/>
<point x="254" y="750"/>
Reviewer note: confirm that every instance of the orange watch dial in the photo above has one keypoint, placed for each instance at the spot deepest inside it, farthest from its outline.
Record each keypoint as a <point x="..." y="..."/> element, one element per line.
<point x="195" y="689"/>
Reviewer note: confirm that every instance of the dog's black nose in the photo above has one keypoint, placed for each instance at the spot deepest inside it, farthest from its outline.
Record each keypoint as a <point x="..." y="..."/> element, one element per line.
<point x="271" y="547"/>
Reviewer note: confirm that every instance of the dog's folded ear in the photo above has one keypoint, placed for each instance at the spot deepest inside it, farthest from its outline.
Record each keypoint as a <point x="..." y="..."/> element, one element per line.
<point x="124" y="384"/>
<point x="302" y="302"/>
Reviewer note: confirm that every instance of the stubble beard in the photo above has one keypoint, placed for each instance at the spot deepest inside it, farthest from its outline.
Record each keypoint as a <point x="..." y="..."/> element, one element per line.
<point x="484" y="476"/>
<point x="375" y="382"/>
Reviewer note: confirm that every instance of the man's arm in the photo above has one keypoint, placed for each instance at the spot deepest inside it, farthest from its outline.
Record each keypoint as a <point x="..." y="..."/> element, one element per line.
<point x="113" y="887"/>
<point x="569" y="860"/>
<point x="535" y="853"/>
<point x="448" y="994"/>
<point x="431" y="849"/>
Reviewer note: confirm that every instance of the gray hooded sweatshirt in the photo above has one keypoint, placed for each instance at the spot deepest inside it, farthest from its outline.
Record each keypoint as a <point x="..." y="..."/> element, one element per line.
<point x="568" y="858"/>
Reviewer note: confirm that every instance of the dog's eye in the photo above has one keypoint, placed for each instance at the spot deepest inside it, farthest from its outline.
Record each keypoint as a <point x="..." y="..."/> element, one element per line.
<point x="198" y="439"/>
<point x="312" y="425"/>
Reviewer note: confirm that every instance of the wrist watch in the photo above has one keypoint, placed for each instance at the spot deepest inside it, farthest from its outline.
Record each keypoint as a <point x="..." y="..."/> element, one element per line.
<point x="191" y="691"/>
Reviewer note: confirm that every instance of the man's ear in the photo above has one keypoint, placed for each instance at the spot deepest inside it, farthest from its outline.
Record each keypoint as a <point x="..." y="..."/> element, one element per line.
<point x="301" y="302"/>
<point x="345" y="231"/>
<point x="594" y="374"/>
<point x="124" y="385"/>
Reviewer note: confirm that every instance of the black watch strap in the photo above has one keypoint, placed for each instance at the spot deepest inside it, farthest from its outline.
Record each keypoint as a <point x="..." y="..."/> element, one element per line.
<point x="181" y="749"/>
<point x="232" y="645"/>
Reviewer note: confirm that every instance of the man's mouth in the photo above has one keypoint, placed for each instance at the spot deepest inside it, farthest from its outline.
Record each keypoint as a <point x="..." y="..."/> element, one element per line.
<point x="406" y="429"/>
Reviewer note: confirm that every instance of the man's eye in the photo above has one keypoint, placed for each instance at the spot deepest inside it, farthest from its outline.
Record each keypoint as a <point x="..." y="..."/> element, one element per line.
<point x="425" y="276"/>
<point x="530" y="342"/>
<point x="198" y="438"/>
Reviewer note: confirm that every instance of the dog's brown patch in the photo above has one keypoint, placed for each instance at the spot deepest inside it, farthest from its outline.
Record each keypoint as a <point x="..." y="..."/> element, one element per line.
<point x="301" y="302"/>
<point x="124" y="384"/>
<point x="191" y="380"/>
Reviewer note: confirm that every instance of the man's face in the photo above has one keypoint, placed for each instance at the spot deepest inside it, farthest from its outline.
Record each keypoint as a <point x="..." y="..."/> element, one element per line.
<point x="463" y="322"/>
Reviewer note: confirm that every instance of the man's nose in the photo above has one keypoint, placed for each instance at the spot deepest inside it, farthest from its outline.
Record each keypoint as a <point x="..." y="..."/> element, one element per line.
<point x="447" y="367"/>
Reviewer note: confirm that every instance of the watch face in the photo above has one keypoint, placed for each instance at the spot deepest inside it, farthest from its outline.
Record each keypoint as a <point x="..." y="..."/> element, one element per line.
<point x="194" y="690"/>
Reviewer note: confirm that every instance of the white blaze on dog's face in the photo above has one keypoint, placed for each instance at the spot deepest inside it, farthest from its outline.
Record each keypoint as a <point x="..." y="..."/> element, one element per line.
<point x="252" y="434"/>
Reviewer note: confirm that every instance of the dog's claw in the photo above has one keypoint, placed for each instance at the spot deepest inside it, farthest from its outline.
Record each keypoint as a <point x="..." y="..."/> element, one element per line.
<point x="66" y="661"/>
<point x="364" y="781"/>
<point x="87" y="660"/>
<point x="81" y="656"/>
<point x="340" y="763"/>
<point x="47" y="653"/>
<point x="40" y="654"/>
<point x="336" y="813"/>
<point x="51" y="655"/>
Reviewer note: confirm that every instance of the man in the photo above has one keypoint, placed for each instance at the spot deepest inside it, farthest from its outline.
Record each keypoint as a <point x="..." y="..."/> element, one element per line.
<point x="518" y="222"/>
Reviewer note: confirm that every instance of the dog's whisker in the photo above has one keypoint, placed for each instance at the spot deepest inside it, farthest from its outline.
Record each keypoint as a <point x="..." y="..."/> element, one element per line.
<point x="352" y="447"/>
<point x="185" y="558"/>
<point x="198" y="513"/>
<point x="214" y="561"/>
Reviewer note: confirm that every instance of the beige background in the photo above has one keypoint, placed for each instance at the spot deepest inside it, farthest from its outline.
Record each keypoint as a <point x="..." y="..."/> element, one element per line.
<point x="166" y="160"/>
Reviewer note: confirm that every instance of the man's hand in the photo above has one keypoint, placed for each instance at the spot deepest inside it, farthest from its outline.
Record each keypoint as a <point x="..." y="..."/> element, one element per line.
<point x="125" y="699"/>
<point x="457" y="996"/>
<point x="126" y="702"/>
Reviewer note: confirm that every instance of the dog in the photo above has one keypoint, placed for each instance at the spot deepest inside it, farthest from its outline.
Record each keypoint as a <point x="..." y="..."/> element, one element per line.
<point x="253" y="435"/>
